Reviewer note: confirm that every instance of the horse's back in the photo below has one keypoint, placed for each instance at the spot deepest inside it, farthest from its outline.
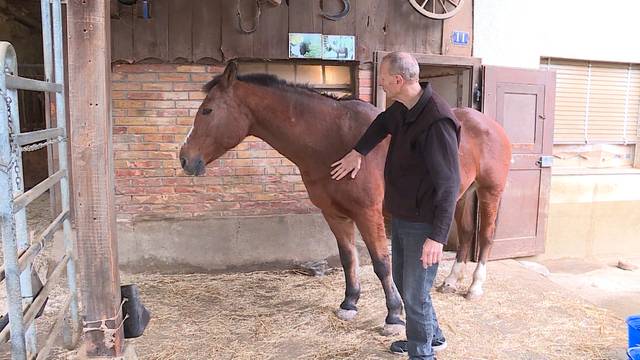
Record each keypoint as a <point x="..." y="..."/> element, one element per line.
<point x="485" y="147"/>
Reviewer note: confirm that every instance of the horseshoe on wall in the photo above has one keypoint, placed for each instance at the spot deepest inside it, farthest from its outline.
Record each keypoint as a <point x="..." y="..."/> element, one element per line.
<point x="345" y="11"/>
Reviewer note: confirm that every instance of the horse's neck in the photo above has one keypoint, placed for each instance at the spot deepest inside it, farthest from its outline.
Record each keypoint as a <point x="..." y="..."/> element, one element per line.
<point x="292" y="124"/>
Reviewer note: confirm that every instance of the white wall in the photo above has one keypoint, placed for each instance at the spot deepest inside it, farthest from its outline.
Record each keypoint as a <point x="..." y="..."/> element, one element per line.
<point x="517" y="33"/>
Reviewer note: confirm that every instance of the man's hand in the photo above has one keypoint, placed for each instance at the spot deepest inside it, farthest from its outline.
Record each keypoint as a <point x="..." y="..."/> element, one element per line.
<point x="348" y="164"/>
<point x="431" y="253"/>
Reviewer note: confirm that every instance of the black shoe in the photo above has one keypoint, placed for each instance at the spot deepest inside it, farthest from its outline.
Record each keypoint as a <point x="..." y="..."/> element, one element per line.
<point x="401" y="347"/>
<point x="439" y="344"/>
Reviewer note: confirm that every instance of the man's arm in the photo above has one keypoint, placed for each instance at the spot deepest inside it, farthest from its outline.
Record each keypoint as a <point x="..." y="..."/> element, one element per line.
<point x="350" y="163"/>
<point x="376" y="132"/>
<point x="440" y="149"/>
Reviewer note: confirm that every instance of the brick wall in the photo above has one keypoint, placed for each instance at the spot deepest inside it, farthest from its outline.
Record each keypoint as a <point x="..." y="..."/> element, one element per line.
<point x="153" y="109"/>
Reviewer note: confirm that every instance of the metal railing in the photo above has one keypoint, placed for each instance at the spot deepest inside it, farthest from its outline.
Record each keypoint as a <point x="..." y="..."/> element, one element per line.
<point x="19" y="251"/>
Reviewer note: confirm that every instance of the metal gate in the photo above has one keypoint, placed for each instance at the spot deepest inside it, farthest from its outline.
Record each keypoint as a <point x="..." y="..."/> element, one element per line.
<point x="19" y="251"/>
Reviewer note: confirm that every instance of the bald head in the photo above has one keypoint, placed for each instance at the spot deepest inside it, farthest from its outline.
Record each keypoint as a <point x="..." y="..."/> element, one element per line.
<point x="403" y="64"/>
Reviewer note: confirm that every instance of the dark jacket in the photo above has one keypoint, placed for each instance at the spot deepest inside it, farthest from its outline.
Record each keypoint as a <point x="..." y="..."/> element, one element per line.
<point x="422" y="175"/>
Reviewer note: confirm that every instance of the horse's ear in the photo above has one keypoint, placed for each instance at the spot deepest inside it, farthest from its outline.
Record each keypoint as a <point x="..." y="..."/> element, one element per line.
<point x="230" y="74"/>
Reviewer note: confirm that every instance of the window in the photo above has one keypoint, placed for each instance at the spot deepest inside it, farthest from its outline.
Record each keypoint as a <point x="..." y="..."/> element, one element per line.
<point x="596" y="102"/>
<point x="332" y="79"/>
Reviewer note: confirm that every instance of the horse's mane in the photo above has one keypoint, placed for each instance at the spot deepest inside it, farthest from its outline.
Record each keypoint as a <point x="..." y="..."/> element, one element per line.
<point x="273" y="81"/>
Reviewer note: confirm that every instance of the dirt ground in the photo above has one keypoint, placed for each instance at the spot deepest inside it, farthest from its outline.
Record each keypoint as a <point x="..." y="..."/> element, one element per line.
<point x="286" y="315"/>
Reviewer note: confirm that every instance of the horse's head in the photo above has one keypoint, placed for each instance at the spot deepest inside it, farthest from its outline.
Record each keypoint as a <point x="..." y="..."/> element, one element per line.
<point x="220" y="124"/>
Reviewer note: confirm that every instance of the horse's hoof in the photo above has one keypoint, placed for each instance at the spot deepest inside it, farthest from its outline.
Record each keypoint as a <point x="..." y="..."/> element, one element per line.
<point x="392" y="329"/>
<point x="447" y="289"/>
<point x="346" y="315"/>
<point x="473" y="295"/>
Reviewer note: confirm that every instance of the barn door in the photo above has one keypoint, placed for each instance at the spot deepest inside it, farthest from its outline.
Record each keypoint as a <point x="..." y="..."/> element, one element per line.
<point x="522" y="101"/>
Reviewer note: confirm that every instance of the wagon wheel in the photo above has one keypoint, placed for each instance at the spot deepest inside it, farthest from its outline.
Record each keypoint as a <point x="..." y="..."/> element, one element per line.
<point x="437" y="9"/>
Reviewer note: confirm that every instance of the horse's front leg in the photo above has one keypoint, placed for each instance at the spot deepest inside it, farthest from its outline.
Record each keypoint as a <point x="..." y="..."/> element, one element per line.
<point x="371" y="225"/>
<point x="343" y="229"/>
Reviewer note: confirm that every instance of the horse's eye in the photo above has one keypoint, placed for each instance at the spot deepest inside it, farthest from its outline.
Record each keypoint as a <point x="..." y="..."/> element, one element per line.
<point x="206" y="111"/>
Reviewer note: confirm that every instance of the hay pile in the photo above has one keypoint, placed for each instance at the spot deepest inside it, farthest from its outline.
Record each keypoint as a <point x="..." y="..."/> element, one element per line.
<point x="286" y="315"/>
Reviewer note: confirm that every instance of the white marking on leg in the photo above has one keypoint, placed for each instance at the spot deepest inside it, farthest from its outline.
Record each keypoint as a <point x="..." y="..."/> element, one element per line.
<point x="479" y="277"/>
<point x="457" y="274"/>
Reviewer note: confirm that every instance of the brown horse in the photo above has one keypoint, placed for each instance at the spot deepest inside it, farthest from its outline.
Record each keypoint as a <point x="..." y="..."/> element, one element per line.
<point x="313" y="131"/>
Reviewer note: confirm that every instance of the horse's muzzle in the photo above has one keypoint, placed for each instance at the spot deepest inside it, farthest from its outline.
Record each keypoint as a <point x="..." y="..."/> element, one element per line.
<point x="194" y="166"/>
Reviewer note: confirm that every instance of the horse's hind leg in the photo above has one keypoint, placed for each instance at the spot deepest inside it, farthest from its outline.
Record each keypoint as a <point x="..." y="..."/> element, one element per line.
<point x="489" y="201"/>
<point x="466" y="222"/>
<point x="343" y="229"/>
<point x="371" y="226"/>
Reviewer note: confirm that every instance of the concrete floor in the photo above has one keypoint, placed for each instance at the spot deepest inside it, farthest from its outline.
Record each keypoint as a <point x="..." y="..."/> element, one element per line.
<point x="600" y="282"/>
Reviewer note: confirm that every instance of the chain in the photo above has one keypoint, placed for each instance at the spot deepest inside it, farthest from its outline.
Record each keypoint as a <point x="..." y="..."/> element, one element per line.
<point x="38" y="146"/>
<point x="15" y="148"/>
<point x="13" y="163"/>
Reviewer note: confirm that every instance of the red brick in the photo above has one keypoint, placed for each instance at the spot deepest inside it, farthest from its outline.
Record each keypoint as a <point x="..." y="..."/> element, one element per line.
<point x="160" y="104"/>
<point x="215" y="69"/>
<point x="158" y="138"/>
<point x="158" y="172"/>
<point x="142" y="77"/>
<point x="159" y="190"/>
<point x="168" y="146"/>
<point x="117" y="130"/>
<point x="131" y="190"/>
<point x="187" y="87"/>
<point x="156" y="86"/>
<point x="157" y="95"/>
<point x="128" y="172"/>
<point x="237" y="162"/>
<point x="118" y="95"/>
<point x="247" y="154"/>
<point x="174" y="129"/>
<point x="207" y="180"/>
<point x="190" y="189"/>
<point x="172" y="112"/>
<point x="120" y="147"/>
<point x="118" y="112"/>
<point x="219" y="171"/>
<point x="147" y="182"/>
<point x="144" y="147"/>
<point x="265" y="162"/>
<point x="173" y="77"/>
<point x="191" y="68"/>
<point x="184" y="121"/>
<point x="142" y="129"/>
<point x="201" y="77"/>
<point x="197" y="95"/>
<point x="188" y="104"/>
<point x="145" y="164"/>
<point x="131" y="154"/>
<point x="128" y="104"/>
<point x="285" y="170"/>
<point x="249" y="171"/>
<point x="118" y="76"/>
<point x="179" y="181"/>
<point x="126" y="86"/>
<point x="126" y="138"/>
<point x="299" y="187"/>
<point x="285" y="187"/>
<point x="162" y="155"/>
<point x="126" y="120"/>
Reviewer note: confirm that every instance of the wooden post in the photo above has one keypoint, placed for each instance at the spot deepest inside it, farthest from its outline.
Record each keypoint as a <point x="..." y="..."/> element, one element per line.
<point x="93" y="177"/>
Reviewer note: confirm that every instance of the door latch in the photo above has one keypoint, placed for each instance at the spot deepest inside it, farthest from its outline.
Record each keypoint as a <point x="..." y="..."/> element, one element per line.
<point x="545" y="161"/>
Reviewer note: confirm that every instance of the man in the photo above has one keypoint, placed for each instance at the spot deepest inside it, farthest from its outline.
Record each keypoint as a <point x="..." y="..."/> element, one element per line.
<point x="422" y="181"/>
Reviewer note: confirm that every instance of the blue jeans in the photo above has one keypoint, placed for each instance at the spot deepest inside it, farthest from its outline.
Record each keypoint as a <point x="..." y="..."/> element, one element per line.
<point x="414" y="283"/>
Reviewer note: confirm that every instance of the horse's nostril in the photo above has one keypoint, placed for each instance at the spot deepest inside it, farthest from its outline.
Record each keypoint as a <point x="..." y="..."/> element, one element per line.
<point x="183" y="162"/>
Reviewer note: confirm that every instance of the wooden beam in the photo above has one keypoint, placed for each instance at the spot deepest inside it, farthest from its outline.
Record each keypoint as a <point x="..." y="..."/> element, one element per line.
<point x="88" y="24"/>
